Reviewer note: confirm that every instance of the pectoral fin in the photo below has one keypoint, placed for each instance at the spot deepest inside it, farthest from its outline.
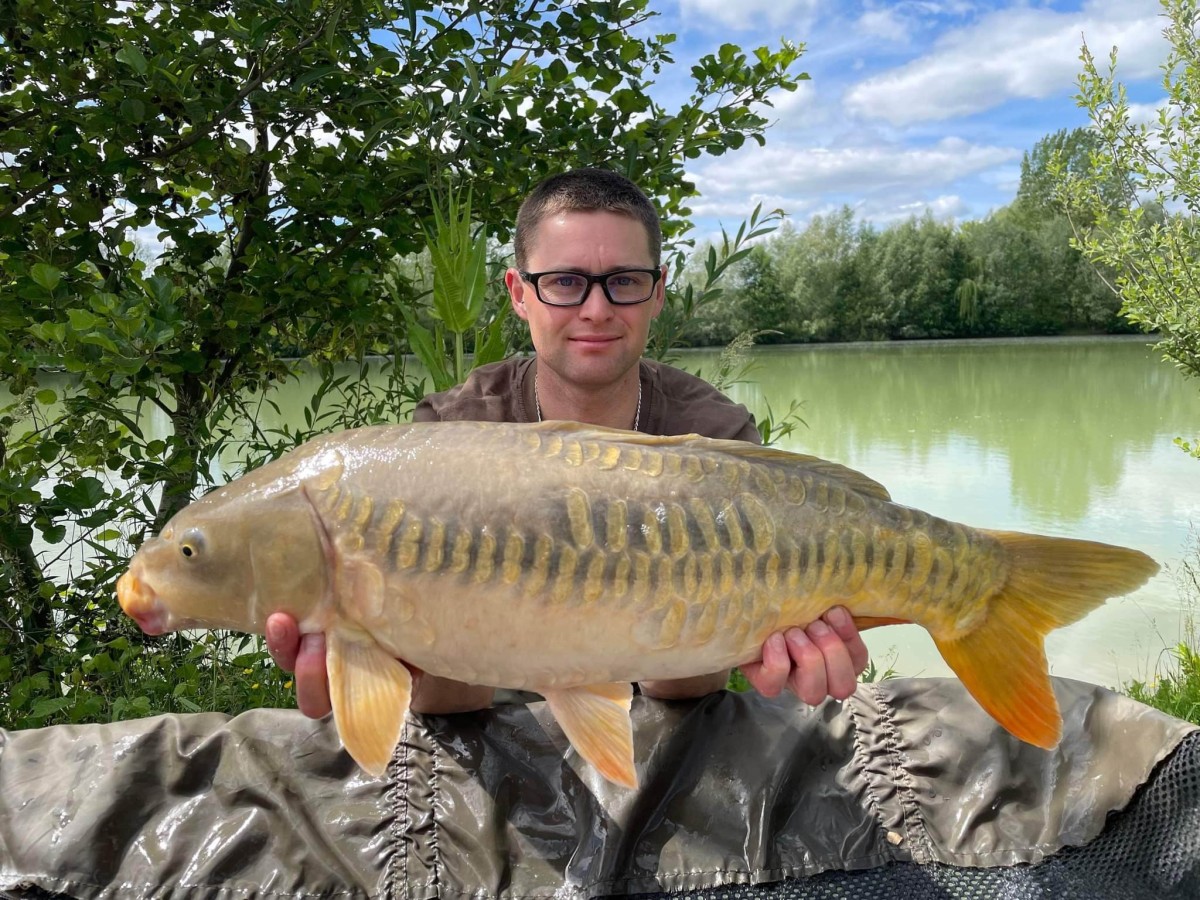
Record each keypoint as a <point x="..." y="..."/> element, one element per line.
<point x="370" y="691"/>
<point x="360" y="587"/>
<point x="596" y="721"/>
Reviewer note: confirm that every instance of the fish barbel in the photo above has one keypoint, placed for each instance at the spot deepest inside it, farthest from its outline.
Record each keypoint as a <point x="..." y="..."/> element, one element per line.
<point x="572" y="560"/>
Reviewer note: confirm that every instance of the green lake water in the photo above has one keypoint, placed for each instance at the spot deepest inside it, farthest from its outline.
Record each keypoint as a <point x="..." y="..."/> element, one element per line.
<point x="1070" y="437"/>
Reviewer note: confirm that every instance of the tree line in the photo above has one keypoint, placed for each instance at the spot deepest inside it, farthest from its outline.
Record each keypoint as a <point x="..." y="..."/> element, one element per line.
<point x="1015" y="272"/>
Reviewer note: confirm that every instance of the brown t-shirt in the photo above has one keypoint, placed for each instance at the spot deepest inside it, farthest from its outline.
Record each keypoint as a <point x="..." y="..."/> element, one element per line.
<point x="673" y="402"/>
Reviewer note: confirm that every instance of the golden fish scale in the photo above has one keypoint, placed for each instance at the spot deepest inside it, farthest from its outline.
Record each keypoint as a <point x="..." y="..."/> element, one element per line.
<point x="691" y="544"/>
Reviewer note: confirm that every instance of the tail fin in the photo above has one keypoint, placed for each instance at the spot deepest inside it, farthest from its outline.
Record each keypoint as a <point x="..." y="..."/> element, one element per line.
<point x="1052" y="582"/>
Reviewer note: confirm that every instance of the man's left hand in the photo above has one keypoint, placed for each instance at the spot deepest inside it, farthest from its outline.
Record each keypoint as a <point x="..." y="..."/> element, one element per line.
<point x="821" y="660"/>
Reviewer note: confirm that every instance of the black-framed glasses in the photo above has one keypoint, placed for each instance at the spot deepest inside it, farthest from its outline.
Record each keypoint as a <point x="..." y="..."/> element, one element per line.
<point x="622" y="287"/>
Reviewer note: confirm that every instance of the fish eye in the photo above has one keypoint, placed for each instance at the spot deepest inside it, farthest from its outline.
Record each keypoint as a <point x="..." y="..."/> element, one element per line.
<point x="192" y="543"/>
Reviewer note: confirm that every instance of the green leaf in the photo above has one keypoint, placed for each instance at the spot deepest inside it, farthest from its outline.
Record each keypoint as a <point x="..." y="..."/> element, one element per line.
<point x="133" y="109"/>
<point x="45" y="275"/>
<point x="100" y="339"/>
<point x="46" y="397"/>
<point x="49" y="706"/>
<point x="160" y="288"/>
<point x="133" y="58"/>
<point x="191" y="361"/>
<point x="83" y="321"/>
<point x="421" y="341"/>
<point x="459" y="266"/>
<point x="82" y="494"/>
<point x="314" y="75"/>
<point x="53" y="534"/>
<point x="490" y="345"/>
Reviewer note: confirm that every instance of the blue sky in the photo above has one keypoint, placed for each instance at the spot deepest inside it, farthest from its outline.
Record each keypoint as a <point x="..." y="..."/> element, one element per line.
<point x="912" y="104"/>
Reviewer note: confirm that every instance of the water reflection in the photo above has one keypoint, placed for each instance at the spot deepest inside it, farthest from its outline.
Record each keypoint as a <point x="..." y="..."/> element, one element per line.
<point x="1070" y="437"/>
<point x="1064" y="417"/>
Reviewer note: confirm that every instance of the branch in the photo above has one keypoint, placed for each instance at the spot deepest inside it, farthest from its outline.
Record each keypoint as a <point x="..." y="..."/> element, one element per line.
<point x="454" y="23"/>
<point x="6" y="124"/>
<point x="157" y="401"/>
<point x="237" y="258"/>
<point x="197" y="134"/>
<point x="46" y="186"/>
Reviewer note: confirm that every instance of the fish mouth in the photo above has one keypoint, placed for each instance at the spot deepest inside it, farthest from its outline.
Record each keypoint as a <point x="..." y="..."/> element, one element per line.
<point x="140" y="603"/>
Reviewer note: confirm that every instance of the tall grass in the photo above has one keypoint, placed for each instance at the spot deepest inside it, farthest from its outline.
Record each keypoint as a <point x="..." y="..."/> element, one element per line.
<point x="1175" y="687"/>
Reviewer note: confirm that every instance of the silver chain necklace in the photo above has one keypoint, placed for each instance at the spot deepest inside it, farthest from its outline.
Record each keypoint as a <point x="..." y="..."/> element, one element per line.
<point x="637" y="416"/>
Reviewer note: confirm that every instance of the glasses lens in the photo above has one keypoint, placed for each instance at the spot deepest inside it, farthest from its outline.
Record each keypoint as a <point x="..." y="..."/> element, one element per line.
<point x="564" y="288"/>
<point x="630" y="287"/>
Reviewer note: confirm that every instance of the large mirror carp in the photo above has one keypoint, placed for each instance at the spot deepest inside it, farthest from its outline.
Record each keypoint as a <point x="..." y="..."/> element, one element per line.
<point x="572" y="560"/>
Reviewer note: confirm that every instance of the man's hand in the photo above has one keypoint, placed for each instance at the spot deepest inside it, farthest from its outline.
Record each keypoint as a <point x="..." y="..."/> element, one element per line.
<point x="305" y="655"/>
<point x="822" y="660"/>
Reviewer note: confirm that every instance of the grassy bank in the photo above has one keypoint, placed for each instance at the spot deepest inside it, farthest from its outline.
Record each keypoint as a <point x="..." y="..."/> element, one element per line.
<point x="1175" y="685"/>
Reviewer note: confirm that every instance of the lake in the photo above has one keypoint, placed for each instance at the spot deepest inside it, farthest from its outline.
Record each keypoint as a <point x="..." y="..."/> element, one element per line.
<point x="1070" y="437"/>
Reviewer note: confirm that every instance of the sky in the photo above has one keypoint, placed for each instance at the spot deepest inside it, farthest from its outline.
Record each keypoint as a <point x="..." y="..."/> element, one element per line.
<point x="912" y="105"/>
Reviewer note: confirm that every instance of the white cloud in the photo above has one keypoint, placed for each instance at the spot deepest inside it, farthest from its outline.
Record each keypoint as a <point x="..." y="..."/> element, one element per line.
<point x="946" y="208"/>
<point x="747" y="14"/>
<point x="1144" y="113"/>
<point x="792" y="103"/>
<point x="1017" y="52"/>
<point x="883" y="183"/>
<point x="1003" y="178"/>
<point x="798" y="172"/>
<point x="887" y="23"/>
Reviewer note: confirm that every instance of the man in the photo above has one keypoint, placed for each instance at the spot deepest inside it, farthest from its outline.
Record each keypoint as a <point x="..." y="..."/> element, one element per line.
<point x="589" y="280"/>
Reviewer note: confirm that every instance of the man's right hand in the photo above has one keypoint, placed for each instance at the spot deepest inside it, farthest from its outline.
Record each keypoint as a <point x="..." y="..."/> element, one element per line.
<point x="305" y="656"/>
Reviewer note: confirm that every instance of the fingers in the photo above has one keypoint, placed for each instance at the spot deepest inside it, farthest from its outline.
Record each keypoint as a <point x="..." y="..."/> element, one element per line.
<point x="283" y="640"/>
<point x="822" y="660"/>
<point x="312" y="684"/>
<point x="828" y="655"/>
<point x="808" y="679"/>
<point x="842" y="623"/>
<point x="305" y="656"/>
<point x="770" y="676"/>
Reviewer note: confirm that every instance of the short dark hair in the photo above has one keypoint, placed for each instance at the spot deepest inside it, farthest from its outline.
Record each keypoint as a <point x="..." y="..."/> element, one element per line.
<point x="585" y="190"/>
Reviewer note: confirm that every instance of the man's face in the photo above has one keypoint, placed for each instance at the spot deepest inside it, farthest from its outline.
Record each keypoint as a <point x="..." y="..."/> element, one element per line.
<point x="595" y="344"/>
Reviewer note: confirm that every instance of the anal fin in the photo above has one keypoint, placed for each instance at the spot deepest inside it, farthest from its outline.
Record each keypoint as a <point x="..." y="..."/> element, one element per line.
<point x="596" y="721"/>
<point x="370" y="691"/>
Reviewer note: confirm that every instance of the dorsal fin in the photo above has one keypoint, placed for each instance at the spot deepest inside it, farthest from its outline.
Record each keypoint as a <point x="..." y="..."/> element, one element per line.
<point x="850" y="478"/>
